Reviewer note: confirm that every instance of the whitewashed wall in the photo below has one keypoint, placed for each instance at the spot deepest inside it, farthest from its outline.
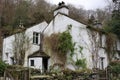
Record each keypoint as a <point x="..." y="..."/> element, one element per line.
<point x="37" y="28"/>
<point x="37" y="63"/>
<point x="79" y="35"/>
<point x="60" y="24"/>
<point x="8" y="43"/>
<point x="7" y="48"/>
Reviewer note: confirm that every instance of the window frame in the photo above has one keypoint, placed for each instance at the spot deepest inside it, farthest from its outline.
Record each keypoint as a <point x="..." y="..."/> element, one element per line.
<point x="36" y="38"/>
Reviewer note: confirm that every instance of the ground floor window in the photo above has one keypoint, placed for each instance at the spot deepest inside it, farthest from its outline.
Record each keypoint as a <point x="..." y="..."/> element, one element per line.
<point x="31" y="62"/>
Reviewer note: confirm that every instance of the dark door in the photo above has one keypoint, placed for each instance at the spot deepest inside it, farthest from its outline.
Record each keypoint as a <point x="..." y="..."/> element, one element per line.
<point x="45" y="64"/>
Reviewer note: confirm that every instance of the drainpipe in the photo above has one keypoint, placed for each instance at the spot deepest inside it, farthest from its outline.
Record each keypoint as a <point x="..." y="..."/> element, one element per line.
<point x="41" y="42"/>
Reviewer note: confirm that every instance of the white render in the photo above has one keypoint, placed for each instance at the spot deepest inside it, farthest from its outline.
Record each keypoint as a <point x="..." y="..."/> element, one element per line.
<point x="79" y="35"/>
<point x="8" y="43"/>
<point x="37" y="63"/>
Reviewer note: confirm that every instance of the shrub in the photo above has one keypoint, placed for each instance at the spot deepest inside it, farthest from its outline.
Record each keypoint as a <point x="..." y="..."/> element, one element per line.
<point x="115" y="67"/>
<point x="2" y="67"/>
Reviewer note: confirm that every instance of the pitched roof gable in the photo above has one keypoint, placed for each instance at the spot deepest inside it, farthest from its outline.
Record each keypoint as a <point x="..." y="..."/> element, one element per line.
<point x="21" y="30"/>
<point x="64" y="16"/>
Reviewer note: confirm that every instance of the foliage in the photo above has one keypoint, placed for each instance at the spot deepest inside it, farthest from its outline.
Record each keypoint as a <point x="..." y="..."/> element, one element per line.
<point x="65" y="42"/>
<point x="21" y="14"/>
<point x="115" y="67"/>
<point x="62" y="44"/>
<point x="110" y="48"/>
<point x="28" y="12"/>
<point x="67" y="74"/>
<point x="113" y="25"/>
<point x="112" y="29"/>
<point x="31" y="12"/>
<point x="81" y="63"/>
<point x="2" y="67"/>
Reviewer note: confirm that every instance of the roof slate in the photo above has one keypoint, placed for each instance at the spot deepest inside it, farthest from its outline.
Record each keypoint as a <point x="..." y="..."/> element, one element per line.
<point x="39" y="54"/>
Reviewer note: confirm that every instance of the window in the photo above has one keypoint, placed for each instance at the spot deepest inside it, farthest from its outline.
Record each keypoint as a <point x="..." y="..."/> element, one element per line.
<point x="12" y="60"/>
<point x="31" y="62"/>
<point x="35" y="37"/>
<point x="6" y="55"/>
<point x="102" y="62"/>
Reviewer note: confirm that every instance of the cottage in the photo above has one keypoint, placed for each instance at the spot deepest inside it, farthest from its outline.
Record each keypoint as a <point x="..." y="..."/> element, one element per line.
<point x="89" y="45"/>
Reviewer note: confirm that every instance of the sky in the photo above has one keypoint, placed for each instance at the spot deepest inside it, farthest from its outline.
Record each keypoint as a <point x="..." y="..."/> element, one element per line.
<point x="86" y="4"/>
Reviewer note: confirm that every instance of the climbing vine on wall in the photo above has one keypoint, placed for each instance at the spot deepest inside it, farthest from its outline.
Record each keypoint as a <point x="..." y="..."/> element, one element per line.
<point x="110" y="46"/>
<point x="65" y="42"/>
<point x="60" y="43"/>
<point x="79" y="63"/>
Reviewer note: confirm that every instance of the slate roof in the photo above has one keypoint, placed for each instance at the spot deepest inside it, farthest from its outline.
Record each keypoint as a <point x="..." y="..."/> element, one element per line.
<point x="39" y="54"/>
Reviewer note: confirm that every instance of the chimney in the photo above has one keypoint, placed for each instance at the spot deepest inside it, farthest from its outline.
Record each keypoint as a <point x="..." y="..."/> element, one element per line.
<point x="97" y="24"/>
<point x="62" y="8"/>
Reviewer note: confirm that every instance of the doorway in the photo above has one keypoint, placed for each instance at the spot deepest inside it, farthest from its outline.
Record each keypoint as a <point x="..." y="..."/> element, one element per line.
<point x="45" y="64"/>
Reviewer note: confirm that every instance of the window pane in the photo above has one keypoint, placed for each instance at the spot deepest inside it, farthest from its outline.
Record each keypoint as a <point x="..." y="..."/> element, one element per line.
<point x="36" y="39"/>
<point x="36" y="34"/>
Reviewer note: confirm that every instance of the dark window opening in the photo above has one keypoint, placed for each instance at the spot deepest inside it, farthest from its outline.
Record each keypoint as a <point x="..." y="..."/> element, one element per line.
<point x="7" y="55"/>
<point x="12" y="60"/>
<point x="102" y="62"/>
<point x="32" y="62"/>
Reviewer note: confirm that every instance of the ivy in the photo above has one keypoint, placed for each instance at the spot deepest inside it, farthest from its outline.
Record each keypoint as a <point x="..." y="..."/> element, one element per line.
<point x="60" y="44"/>
<point x="65" y="42"/>
<point x="81" y="63"/>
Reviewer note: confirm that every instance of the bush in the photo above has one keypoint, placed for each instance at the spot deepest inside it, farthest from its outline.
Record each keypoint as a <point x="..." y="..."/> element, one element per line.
<point x="2" y="67"/>
<point x="115" y="67"/>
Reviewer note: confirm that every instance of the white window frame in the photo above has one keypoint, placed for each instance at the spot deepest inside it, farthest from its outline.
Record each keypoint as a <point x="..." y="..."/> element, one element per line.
<point x="36" y="38"/>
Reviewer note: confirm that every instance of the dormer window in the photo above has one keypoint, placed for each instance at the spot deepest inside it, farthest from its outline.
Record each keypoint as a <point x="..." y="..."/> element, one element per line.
<point x="35" y="38"/>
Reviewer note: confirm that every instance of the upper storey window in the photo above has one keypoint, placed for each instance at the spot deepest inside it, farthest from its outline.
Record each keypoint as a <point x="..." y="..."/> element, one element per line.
<point x="35" y="37"/>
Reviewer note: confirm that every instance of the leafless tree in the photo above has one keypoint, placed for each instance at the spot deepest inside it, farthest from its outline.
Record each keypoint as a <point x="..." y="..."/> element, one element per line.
<point x="20" y="45"/>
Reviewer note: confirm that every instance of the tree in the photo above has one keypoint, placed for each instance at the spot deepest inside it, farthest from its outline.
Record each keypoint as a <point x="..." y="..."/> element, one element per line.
<point x="78" y="14"/>
<point x="21" y="13"/>
<point x="20" y="45"/>
<point x="113" y="25"/>
<point x="42" y="11"/>
<point x="6" y="12"/>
